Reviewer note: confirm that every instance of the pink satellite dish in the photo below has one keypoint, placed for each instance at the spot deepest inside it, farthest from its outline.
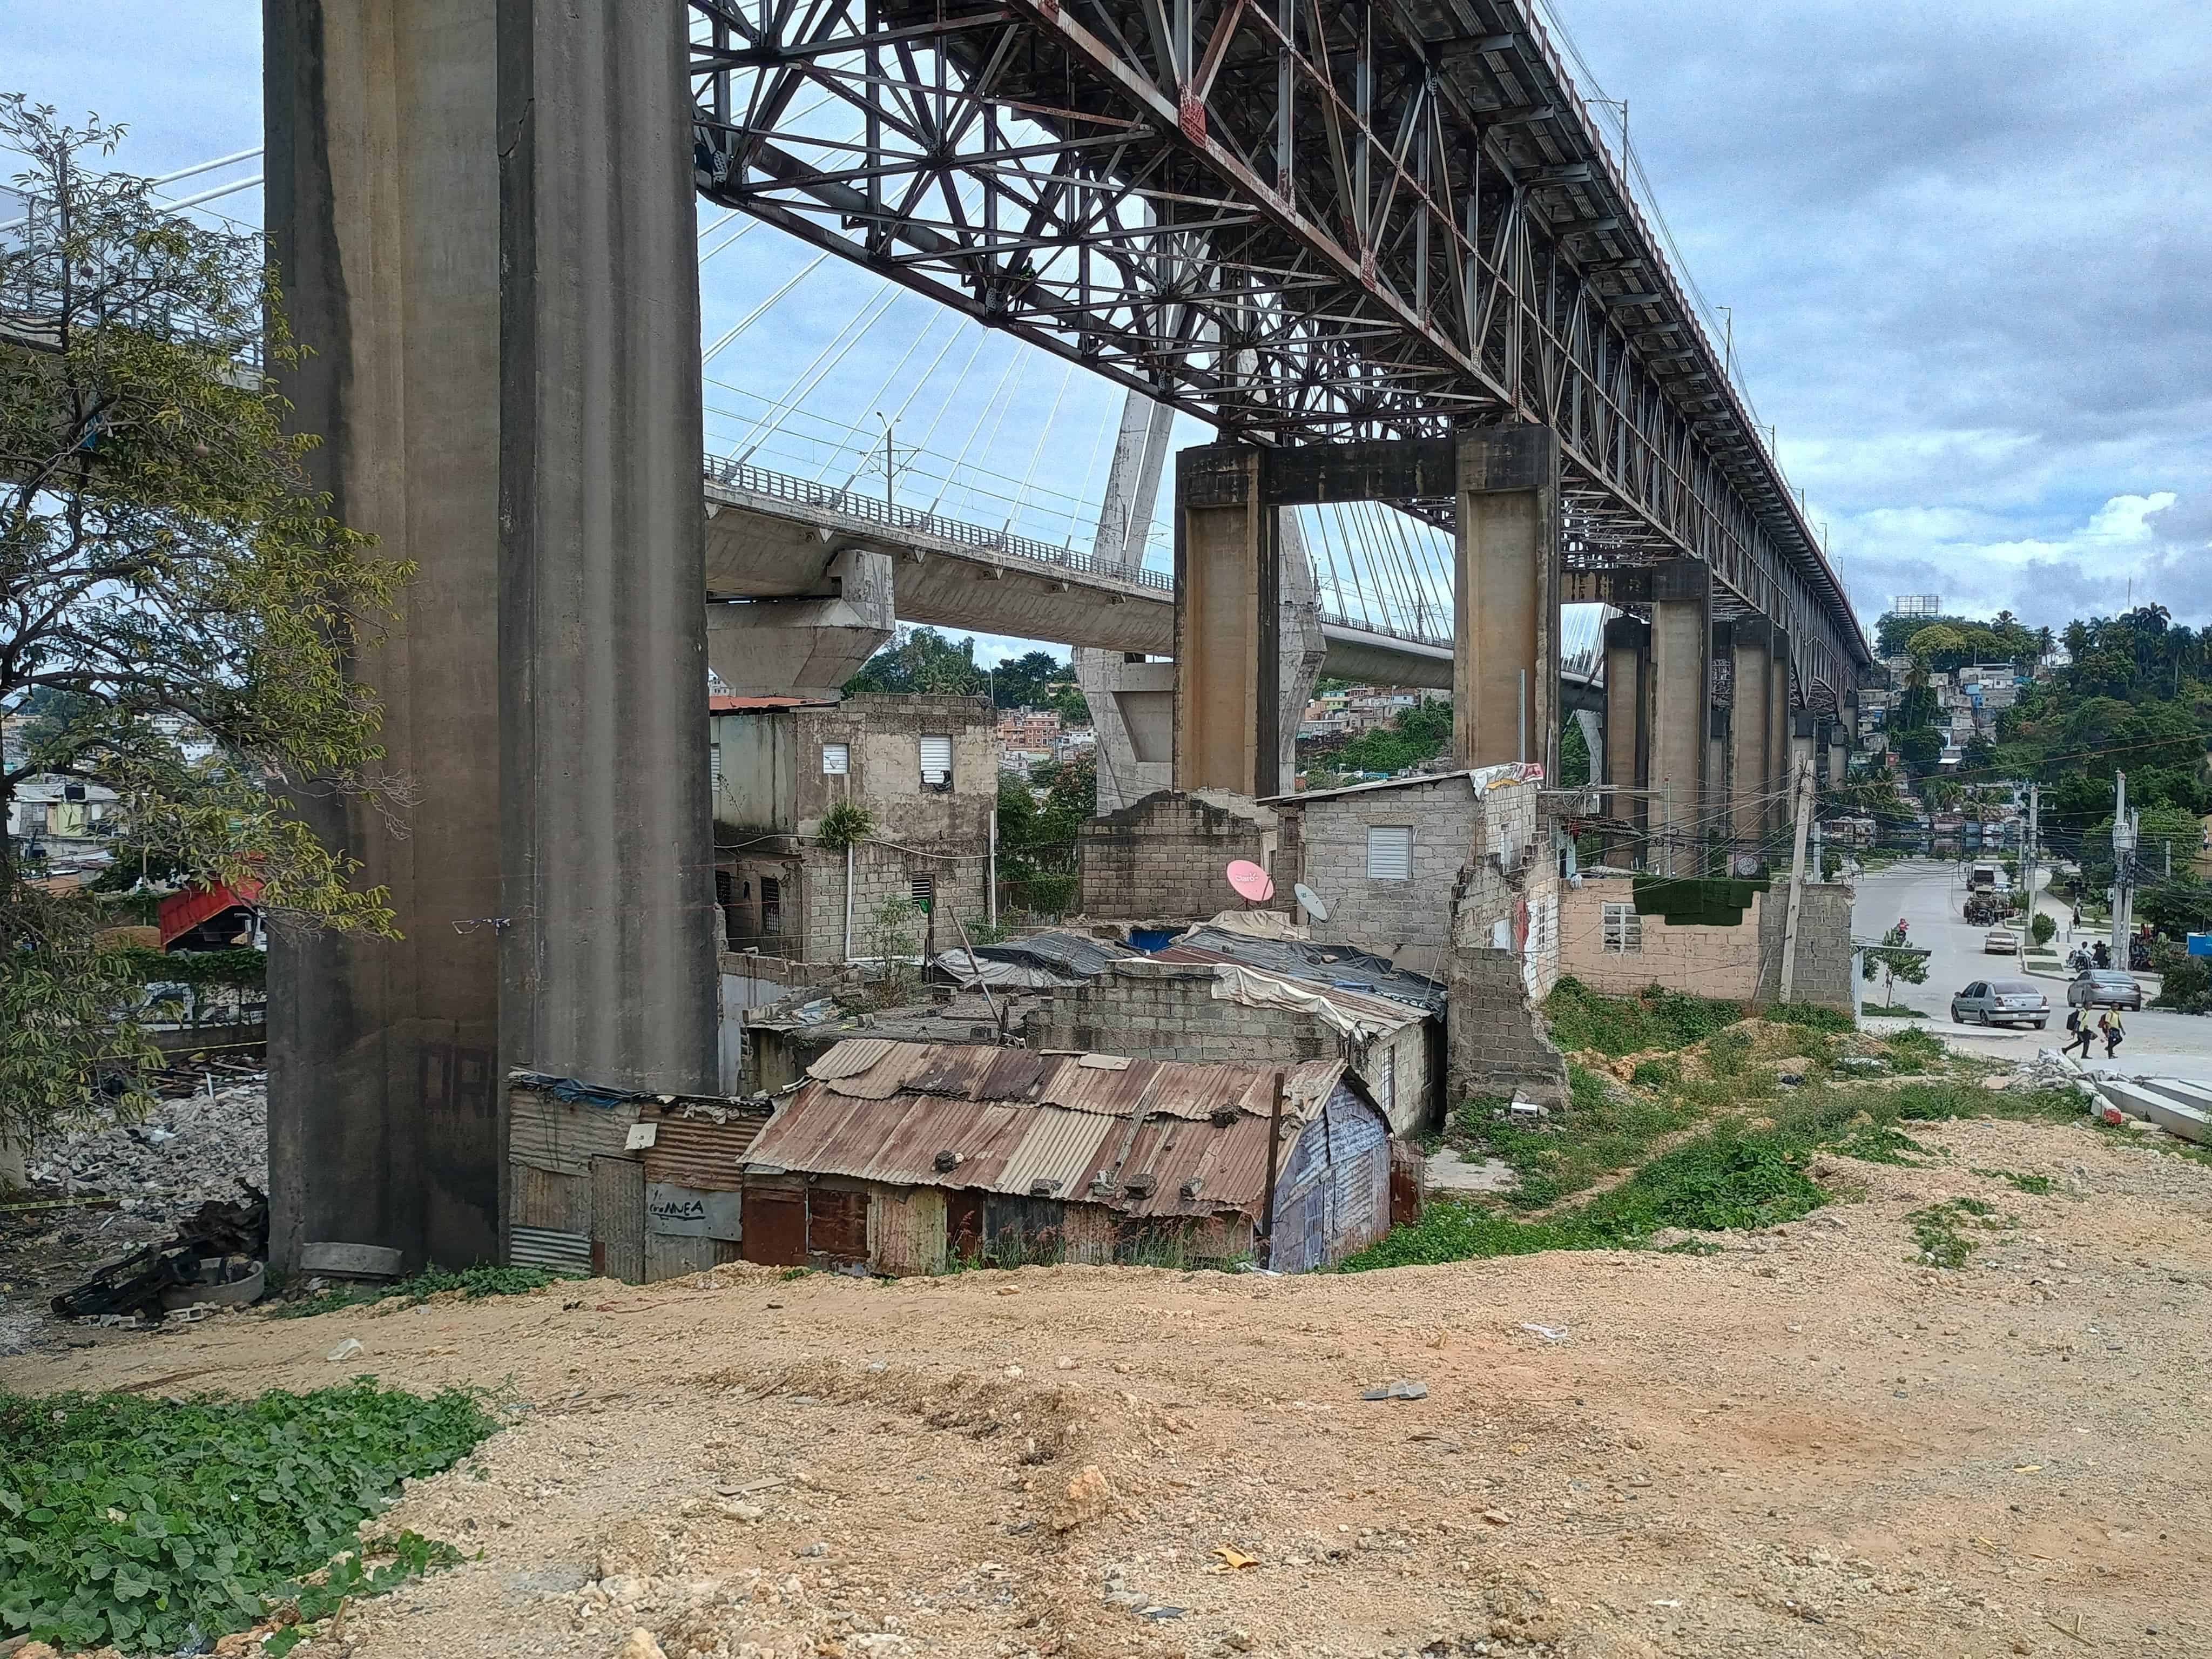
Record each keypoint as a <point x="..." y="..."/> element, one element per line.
<point x="1251" y="882"/>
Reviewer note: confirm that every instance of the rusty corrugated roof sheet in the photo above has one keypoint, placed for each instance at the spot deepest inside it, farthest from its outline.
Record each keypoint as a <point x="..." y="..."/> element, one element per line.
<point x="1150" y="1138"/>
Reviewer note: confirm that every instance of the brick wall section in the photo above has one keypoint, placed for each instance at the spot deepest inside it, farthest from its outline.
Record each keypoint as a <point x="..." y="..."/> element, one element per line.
<point x="1743" y="964"/>
<point x="1167" y="1011"/>
<point x="1496" y="1043"/>
<point x="1163" y="858"/>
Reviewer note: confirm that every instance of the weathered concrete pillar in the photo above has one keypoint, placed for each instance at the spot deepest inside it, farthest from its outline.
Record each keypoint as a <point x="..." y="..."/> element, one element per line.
<point x="1681" y="703"/>
<point x="1505" y="648"/>
<point x="1714" y="827"/>
<point x="1132" y="700"/>
<point x="1228" y="623"/>
<point x="805" y="647"/>
<point x="1627" y="721"/>
<point x="383" y="211"/>
<point x="1839" y="757"/>
<point x="1802" y="743"/>
<point x="1750" y="767"/>
<point x="1301" y="646"/>
<point x="1777" y="734"/>
<point x="610" y="951"/>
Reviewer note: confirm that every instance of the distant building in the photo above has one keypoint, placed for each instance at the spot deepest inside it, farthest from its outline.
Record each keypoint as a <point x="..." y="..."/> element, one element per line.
<point x="926" y="770"/>
<point x="1027" y="736"/>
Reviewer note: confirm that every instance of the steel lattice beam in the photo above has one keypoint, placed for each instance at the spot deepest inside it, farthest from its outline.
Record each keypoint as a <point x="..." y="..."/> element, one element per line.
<point x="1304" y="220"/>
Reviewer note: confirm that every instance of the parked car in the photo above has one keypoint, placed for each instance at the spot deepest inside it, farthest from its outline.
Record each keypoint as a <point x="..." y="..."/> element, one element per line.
<point x="2104" y="988"/>
<point x="2002" y="1002"/>
<point x="2001" y="942"/>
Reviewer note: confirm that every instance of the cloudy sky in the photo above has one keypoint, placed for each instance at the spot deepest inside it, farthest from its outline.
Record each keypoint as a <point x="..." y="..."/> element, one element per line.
<point x="1965" y="249"/>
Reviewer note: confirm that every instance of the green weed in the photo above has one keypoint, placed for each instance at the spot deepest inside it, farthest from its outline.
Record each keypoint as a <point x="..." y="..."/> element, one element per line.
<point x="1580" y="1017"/>
<point x="1891" y="1010"/>
<point x="1722" y="1180"/>
<point x="2037" y="1186"/>
<point x="1916" y="1050"/>
<point x="471" y="1282"/>
<point x="1811" y="1015"/>
<point x="1940" y="1230"/>
<point x="146" y="1524"/>
<point x="1606" y="1127"/>
<point x="1878" y="1143"/>
<point x="1664" y="1073"/>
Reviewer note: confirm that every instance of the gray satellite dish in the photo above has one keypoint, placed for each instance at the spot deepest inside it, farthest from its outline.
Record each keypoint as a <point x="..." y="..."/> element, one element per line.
<point x="1312" y="901"/>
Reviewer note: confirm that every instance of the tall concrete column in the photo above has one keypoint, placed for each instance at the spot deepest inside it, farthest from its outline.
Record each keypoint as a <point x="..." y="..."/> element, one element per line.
<point x="1838" y="756"/>
<point x="610" y="951"/>
<point x="1627" y="718"/>
<point x="383" y="211"/>
<point x="1132" y="701"/>
<point x="1751" y="762"/>
<point x="1680" y="700"/>
<point x="1228" y="623"/>
<point x="1301" y="647"/>
<point x="1505" y="648"/>
<point x="1777" y="734"/>
<point x="1716" y="820"/>
<point x="1803" y="748"/>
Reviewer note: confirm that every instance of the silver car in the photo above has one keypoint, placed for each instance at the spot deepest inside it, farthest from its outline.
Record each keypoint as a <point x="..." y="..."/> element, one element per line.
<point x="2104" y="988"/>
<point x="2002" y="1002"/>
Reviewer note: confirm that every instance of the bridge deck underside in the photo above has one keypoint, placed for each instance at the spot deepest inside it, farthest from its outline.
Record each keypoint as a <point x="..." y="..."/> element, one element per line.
<point x="1301" y="222"/>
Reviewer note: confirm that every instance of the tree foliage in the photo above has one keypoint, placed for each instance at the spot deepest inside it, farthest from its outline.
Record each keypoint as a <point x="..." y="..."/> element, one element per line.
<point x="165" y="568"/>
<point x="922" y="661"/>
<point x="1893" y="961"/>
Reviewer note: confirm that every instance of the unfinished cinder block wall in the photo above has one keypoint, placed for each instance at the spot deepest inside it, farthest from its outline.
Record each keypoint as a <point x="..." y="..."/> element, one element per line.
<point x="1151" y="1010"/>
<point x="1165" y="856"/>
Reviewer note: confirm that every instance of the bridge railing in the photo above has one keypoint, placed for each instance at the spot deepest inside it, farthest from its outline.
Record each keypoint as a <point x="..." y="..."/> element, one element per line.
<point x="867" y="509"/>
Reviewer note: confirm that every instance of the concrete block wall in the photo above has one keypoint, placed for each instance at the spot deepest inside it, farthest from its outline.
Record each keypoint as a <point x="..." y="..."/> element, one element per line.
<point x="1496" y="1042"/>
<point x="1823" y="974"/>
<point x="1165" y="856"/>
<point x="881" y="873"/>
<point x="1167" y="1011"/>
<point x="1389" y="917"/>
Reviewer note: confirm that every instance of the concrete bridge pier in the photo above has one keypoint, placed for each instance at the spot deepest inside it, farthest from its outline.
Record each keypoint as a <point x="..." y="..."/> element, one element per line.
<point x="608" y="959"/>
<point x="1505" y="657"/>
<point x="1131" y="696"/>
<point x="1248" y="644"/>
<point x="1627" y="726"/>
<point x="809" y="646"/>
<point x="481" y="212"/>
<point x="383" y="210"/>
<point x="1680" y="702"/>
<point x="1752" y="766"/>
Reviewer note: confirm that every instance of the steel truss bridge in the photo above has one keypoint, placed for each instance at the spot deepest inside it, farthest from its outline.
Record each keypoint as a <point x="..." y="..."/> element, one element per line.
<point x="1303" y="220"/>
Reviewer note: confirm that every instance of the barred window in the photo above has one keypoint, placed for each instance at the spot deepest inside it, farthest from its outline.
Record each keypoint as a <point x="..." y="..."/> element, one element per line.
<point x="1624" y="929"/>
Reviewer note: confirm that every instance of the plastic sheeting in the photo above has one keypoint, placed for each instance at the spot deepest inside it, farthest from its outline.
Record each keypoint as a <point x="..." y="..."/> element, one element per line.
<point x="1361" y="1018"/>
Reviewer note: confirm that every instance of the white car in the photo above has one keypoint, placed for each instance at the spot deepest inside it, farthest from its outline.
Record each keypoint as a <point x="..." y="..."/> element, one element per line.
<point x="2001" y="942"/>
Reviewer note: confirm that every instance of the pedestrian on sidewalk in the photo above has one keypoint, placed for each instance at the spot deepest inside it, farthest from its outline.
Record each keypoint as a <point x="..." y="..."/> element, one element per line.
<point x="2115" y="1033"/>
<point x="2077" y="1032"/>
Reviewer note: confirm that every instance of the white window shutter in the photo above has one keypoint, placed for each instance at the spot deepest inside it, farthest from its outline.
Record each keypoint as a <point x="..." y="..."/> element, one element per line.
<point x="837" y="760"/>
<point x="936" y="759"/>
<point x="1390" y="852"/>
<point x="715" y="768"/>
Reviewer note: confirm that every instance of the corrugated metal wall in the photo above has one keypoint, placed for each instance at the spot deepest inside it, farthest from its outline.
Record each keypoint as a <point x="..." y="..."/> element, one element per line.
<point x="906" y="1229"/>
<point x="1333" y="1198"/>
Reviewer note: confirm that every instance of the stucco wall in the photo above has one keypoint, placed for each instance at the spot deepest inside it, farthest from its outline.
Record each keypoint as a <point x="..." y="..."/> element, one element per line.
<point x="1740" y="964"/>
<point x="775" y="794"/>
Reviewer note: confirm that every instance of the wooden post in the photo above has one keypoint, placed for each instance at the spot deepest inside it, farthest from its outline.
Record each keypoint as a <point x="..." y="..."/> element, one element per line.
<point x="1800" y="815"/>
<point x="1267" y="1249"/>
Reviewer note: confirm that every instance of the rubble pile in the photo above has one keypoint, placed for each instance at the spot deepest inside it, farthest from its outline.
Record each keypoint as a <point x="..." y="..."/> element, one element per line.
<point x="191" y="1149"/>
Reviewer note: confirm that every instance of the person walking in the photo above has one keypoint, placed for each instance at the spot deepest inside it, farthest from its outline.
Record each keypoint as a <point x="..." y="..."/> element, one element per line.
<point x="2078" y="1030"/>
<point x="2115" y="1033"/>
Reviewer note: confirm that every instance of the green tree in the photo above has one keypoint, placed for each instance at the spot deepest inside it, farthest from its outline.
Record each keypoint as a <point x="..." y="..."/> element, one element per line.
<point x="1893" y="961"/>
<point x="162" y="559"/>
<point x="1575" y="768"/>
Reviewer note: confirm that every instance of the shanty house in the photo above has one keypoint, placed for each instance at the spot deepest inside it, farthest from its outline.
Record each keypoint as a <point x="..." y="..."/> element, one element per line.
<point x="905" y="1158"/>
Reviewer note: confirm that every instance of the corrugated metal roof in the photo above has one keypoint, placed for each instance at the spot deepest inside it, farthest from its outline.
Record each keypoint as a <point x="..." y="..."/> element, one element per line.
<point x="698" y="1152"/>
<point x="1011" y="1119"/>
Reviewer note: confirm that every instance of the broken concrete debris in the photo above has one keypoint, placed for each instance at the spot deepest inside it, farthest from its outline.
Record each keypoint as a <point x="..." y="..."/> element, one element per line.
<point x="1403" y="1388"/>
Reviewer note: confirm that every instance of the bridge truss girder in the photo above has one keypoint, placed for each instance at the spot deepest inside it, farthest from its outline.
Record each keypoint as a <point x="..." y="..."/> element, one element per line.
<point x="1300" y="220"/>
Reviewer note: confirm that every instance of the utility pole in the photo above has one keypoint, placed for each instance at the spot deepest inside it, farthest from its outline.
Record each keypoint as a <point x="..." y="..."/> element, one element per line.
<point x="2124" y="855"/>
<point x="1800" y="814"/>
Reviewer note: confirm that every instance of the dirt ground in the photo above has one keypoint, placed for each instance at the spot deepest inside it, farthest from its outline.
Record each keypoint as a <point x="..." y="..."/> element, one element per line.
<point x="1805" y="1445"/>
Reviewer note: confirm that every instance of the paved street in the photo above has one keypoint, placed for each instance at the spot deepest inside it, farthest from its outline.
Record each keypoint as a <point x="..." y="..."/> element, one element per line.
<point x="1928" y="894"/>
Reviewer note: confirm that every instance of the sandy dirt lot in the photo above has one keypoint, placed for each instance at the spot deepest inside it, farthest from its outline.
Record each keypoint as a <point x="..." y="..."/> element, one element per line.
<point x="1807" y="1444"/>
